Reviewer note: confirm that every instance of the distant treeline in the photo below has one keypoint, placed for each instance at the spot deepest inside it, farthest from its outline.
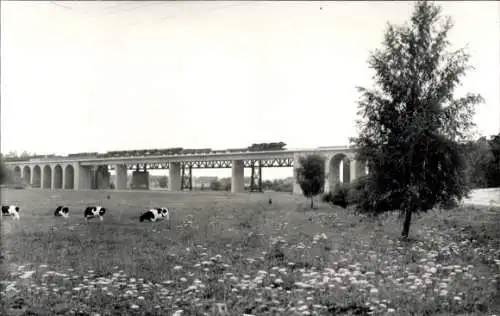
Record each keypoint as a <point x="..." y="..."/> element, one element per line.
<point x="278" y="185"/>
<point x="483" y="161"/>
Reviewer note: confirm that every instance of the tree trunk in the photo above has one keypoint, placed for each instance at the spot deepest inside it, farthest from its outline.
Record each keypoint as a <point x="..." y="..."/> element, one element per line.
<point x="312" y="202"/>
<point x="407" y="223"/>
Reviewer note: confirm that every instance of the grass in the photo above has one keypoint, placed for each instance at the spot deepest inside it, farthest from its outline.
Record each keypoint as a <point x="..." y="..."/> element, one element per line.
<point x="227" y="254"/>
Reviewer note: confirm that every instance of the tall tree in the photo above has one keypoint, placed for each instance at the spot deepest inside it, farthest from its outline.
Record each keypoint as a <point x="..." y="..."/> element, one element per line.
<point x="410" y="122"/>
<point x="311" y="176"/>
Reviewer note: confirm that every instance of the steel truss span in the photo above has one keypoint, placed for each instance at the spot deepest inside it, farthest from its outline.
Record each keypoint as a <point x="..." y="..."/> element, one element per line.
<point x="143" y="166"/>
<point x="214" y="164"/>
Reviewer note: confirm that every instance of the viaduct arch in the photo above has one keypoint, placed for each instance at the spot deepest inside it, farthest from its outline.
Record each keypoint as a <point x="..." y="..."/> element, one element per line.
<point x="47" y="177"/>
<point x="69" y="177"/>
<point x="58" y="177"/>
<point x="27" y="174"/>
<point x="17" y="173"/>
<point x="36" y="181"/>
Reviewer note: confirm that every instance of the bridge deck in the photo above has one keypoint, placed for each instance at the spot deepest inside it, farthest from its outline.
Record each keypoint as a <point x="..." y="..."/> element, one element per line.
<point x="229" y="156"/>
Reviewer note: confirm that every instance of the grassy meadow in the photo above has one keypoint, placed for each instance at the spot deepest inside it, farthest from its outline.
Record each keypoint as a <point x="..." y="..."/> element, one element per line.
<point x="224" y="254"/>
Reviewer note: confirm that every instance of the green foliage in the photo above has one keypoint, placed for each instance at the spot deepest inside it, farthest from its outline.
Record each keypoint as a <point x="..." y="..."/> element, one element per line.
<point x="163" y="181"/>
<point x="311" y="175"/>
<point x="3" y="171"/>
<point x="479" y="158"/>
<point x="278" y="185"/>
<point x="215" y="185"/>
<point x="338" y="196"/>
<point x="493" y="170"/>
<point x="226" y="184"/>
<point x="410" y="122"/>
<point x="483" y="162"/>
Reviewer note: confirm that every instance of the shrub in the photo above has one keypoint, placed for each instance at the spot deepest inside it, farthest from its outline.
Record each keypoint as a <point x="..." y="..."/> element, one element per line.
<point x="338" y="196"/>
<point x="327" y="197"/>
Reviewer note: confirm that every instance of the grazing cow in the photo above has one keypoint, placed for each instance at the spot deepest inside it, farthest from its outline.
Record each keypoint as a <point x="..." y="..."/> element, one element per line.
<point x="10" y="210"/>
<point x="94" y="211"/>
<point x="155" y="214"/>
<point x="62" y="211"/>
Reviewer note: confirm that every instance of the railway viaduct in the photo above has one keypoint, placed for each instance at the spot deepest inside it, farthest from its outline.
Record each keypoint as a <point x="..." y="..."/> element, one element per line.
<point x="92" y="170"/>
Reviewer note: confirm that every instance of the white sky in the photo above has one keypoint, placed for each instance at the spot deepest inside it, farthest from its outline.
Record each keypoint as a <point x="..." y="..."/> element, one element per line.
<point x="98" y="76"/>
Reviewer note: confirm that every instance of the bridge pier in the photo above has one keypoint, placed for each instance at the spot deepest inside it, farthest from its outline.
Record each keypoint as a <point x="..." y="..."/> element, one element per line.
<point x="83" y="178"/>
<point x="101" y="178"/>
<point x="121" y="177"/>
<point x="296" y="190"/>
<point x="238" y="179"/>
<point x="174" y="176"/>
<point x="140" y="180"/>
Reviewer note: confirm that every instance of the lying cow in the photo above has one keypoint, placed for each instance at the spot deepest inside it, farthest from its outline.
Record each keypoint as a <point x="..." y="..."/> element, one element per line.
<point x="10" y="210"/>
<point x="94" y="211"/>
<point x="155" y="214"/>
<point x="61" y="211"/>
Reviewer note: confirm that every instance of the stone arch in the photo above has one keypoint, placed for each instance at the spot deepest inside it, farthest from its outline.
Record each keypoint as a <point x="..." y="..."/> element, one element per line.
<point x="27" y="174"/>
<point x="339" y="170"/>
<point x="47" y="177"/>
<point x="17" y="173"/>
<point x="37" y="177"/>
<point x="58" y="177"/>
<point x="69" y="177"/>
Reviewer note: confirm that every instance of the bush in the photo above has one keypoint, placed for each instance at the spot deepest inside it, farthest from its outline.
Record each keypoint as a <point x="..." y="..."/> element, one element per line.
<point x="360" y="193"/>
<point x="215" y="185"/>
<point x="339" y="196"/>
<point x="327" y="197"/>
<point x="449" y="204"/>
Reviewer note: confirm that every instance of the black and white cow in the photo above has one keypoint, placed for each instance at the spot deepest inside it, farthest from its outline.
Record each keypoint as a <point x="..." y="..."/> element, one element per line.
<point x="10" y="210"/>
<point x="62" y="211"/>
<point x="94" y="211"/>
<point x="155" y="214"/>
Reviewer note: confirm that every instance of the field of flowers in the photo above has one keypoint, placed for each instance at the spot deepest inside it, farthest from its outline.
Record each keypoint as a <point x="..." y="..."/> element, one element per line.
<point x="236" y="255"/>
